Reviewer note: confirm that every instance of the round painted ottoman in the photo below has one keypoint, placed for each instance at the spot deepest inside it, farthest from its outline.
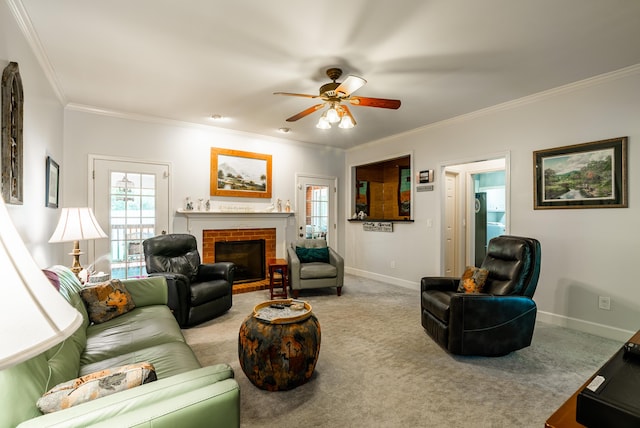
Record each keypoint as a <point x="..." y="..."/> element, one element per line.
<point x="278" y="344"/>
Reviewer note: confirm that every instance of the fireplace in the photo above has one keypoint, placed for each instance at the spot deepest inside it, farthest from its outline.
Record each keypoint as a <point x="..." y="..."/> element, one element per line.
<point x="248" y="257"/>
<point x="211" y="238"/>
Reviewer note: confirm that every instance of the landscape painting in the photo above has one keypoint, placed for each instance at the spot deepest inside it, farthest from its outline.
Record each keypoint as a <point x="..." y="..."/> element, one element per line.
<point x="590" y="175"/>
<point x="236" y="173"/>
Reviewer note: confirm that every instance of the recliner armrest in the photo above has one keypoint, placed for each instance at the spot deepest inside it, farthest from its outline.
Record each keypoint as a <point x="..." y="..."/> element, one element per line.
<point x="218" y="270"/>
<point x="336" y="260"/>
<point x="441" y="283"/>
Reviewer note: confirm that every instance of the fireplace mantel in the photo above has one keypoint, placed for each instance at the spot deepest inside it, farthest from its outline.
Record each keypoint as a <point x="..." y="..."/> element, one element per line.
<point x="198" y="221"/>
<point x="234" y="214"/>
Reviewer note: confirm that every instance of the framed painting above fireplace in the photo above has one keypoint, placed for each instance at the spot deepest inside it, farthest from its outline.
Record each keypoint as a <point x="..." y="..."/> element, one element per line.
<point x="240" y="174"/>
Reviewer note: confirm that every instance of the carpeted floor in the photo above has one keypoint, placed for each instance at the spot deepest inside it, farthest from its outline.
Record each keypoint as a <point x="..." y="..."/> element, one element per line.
<point x="378" y="368"/>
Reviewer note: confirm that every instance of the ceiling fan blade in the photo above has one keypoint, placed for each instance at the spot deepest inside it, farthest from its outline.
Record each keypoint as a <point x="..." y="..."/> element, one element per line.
<point x="375" y="102"/>
<point x="305" y="112"/>
<point x="350" y="85"/>
<point x="291" y="94"/>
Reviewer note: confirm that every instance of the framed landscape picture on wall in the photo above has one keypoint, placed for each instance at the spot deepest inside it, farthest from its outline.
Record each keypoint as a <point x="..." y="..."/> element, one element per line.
<point x="589" y="175"/>
<point x="240" y="174"/>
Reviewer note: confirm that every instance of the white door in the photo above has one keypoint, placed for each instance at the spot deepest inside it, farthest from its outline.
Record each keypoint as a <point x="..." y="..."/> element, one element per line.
<point x="131" y="202"/>
<point x="451" y="222"/>
<point x="316" y="208"/>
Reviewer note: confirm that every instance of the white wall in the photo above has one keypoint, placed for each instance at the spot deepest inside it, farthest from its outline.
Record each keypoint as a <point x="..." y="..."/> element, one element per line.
<point x="586" y="253"/>
<point x="187" y="147"/>
<point x="42" y="136"/>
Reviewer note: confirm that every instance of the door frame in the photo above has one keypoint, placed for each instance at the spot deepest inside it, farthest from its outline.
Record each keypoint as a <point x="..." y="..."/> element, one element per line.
<point x="92" y="158"/>
<point x="466" y="197"/>
<point x="333" y="237"/>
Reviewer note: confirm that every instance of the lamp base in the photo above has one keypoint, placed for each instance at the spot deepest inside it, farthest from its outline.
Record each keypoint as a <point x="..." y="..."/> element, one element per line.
<point x="76" y="267"/>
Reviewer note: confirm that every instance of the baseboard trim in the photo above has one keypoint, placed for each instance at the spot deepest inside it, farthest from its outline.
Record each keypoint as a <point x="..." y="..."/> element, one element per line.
<point x="383" y="278"/>
<point x="601" y="330"/>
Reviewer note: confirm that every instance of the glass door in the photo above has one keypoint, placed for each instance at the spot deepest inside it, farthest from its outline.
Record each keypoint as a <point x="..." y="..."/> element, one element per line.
<point x="316" y="205"/>
<point x="132" y="206"/>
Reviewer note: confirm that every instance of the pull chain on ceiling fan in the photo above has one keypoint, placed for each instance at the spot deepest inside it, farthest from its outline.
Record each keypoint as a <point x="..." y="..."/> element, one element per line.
<point x="333" y="94"/>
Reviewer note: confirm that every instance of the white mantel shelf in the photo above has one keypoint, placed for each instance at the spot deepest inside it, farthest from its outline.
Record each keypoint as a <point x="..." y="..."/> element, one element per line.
<point x="243" y="214"/>
<point x="198" y="221"/>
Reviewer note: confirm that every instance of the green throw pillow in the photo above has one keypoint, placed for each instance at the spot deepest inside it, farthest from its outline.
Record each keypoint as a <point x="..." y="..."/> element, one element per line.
<point x="96" y="385"/>
<point x="308" y="255"/>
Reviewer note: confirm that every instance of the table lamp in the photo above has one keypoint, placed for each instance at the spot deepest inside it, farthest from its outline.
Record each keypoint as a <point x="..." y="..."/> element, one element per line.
<point x="34" y="316"/>
<point x="75" y="225"/>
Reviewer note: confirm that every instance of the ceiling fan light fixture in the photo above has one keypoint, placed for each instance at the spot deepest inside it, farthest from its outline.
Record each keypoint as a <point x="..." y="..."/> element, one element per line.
<point x="346" y="122"/>
<point x="323" y="123"/>
<point x="332" y="115"/>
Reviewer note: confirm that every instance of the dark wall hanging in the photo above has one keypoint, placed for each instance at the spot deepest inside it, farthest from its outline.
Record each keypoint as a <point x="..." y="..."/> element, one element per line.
<point x="12" y="110"/>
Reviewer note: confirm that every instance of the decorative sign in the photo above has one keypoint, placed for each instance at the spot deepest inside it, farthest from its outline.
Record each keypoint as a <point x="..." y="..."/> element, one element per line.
<point x="425" y="188"/>
<point x="378" y="226"/>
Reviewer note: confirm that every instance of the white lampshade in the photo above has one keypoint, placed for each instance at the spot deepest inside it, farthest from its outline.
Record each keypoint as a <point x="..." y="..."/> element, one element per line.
<point x="77" y="224"/>
<point x="332" y="115"/>
<point x="323" y="123"/>
<point x="34" y="316"/>
<point x="346" y="122"/>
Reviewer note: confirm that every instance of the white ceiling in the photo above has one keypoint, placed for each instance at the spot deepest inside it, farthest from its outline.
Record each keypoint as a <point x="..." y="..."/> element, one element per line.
<point x="186" y="60"/>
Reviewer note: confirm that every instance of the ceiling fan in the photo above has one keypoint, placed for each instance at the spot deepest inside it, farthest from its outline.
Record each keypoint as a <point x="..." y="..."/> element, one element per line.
<point x="333" y="94"/>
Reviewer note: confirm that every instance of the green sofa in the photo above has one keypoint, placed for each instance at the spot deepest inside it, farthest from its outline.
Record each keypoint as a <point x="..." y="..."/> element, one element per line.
<point x="185" y="394"/>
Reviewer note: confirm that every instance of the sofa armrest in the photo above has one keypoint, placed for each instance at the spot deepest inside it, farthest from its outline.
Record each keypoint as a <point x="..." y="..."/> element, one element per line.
<point x="147" y="291"/>
<point x="178" y="295"/>
<point x="441" y="283"/>
<point x="180" y="399"/>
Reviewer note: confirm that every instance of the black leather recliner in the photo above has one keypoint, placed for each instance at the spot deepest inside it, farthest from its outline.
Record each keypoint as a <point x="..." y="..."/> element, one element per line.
<point x="197" y="292"/>
<point x="497" y="321"/>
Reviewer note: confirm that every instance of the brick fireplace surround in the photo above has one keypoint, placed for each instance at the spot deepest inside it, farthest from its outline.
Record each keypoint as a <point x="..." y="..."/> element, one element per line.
<point x="211" y="236"/>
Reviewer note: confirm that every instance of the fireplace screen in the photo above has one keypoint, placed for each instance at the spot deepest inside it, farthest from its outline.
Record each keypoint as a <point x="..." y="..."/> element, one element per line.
<point x="248" y="256"/>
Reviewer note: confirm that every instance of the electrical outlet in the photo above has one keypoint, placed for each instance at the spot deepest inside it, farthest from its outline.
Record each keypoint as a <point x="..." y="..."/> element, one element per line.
<point x="604" y="302"/>
<point x="393" y="264"/>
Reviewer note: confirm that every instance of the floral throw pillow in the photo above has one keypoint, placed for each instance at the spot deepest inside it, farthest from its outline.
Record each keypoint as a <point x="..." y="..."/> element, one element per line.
<point x="96" y="385"/>
<point x="472" y="280"/>
<point x="107" y="300"/>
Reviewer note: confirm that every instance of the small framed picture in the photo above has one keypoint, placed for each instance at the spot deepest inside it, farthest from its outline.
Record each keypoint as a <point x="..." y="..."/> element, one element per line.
<point x="53" y="183"/>
<point x="426" y="176"/>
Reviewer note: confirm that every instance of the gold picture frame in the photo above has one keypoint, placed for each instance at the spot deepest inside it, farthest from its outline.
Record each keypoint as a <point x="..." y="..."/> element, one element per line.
<point x="235" y="173"/>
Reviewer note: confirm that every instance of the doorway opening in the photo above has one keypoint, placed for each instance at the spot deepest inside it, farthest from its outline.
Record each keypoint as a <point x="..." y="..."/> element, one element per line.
<point x="475" y="209"/>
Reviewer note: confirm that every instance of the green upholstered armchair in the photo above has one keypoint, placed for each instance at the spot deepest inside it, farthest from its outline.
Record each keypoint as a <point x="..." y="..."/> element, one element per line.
<point x="313" y="264"/>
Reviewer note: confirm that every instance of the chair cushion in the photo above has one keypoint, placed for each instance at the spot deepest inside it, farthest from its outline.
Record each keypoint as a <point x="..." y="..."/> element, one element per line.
<point x="95" y="385"/>
<point x="437" y="303"/>
<point x="308" y="255"/>
<point x="472" y="280"/>
<point x="316" y="270"/>
<point x="107" y="300"/>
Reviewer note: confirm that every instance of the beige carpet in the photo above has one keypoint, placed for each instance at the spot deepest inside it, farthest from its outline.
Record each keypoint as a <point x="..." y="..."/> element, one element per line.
<point x="378" y="368"/>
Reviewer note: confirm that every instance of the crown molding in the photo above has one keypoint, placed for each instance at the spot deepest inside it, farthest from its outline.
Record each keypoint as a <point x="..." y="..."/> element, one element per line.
<point x="564" y="89"/>
<point x="24" y="23"/>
